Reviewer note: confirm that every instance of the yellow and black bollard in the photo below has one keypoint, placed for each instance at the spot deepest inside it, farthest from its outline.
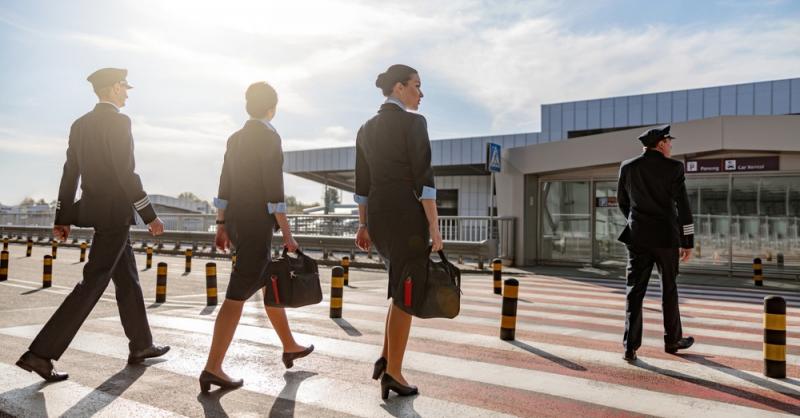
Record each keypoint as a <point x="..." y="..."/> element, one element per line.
<point x="47" y="275"/>
<point x="508" y="323"/>
<point x="54" y="249"/>
<point x="3" y="265"/>
<point x="29" y="248"/>
<point x="148" y="264"/>
<point x="5" y="244"/>
<point x="161" y="283"/>
<point x="233" y="260"/>
<point x="84" y="246"/>
<point x="188" y="260"/>
<point x="758" y="272"/>
<point x="211" y="284"/>
<point x="497" y="274"/>
<point x="346" y="268"/>
<point x="774" y="337"/>
<point x="337" y="291"/>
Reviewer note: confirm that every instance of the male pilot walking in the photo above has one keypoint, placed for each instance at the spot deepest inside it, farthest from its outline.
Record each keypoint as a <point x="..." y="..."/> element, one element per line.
<point x="100" y="153"/>
<point x="652" y="196"/>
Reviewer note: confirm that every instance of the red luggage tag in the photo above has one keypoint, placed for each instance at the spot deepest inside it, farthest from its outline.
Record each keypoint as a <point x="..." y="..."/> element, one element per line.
<point x="275" y="288"/>
<point x="407" y="291"/>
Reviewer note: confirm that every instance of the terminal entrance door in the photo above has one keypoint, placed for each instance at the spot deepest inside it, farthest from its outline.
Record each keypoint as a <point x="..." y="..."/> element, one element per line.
<point x="608" y="224"/>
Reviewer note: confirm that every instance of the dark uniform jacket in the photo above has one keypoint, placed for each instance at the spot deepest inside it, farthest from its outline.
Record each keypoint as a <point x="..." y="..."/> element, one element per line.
<point x="252" y="173"/>
<point x="100" y="154"/>
<point x="393" y="160"/>
<point x="652" y="195"/>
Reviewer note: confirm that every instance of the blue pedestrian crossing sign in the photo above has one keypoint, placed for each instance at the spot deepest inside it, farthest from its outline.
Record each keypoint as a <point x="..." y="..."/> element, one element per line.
<point x="493" y="157"/>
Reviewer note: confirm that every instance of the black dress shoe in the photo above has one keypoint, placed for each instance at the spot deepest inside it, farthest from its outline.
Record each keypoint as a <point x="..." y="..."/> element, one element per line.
<point x="388" y="383"/>
<point x="289" y="358"/>
<point x="681" y="344"/>
<point x="207" y="379"/>
<point x="630" y="355"/>
<point x="43" y="367"/>
<point x="380" y="367"/>
<point x="137" y="357"/>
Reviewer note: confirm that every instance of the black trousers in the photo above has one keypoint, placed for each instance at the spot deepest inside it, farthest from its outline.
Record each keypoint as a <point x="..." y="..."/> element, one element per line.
<point x="110" y="257"/>
<point x="640" y="266"/>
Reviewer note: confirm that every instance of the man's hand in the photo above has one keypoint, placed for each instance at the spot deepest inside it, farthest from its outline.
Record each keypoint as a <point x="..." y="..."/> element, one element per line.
<point x="436" y="238"/>
<point x="289" y="243"/>
<point x="156" y="227"/>
<point x="222" y="241"/>
<point x="61" y="232"/>
<point x="363" y="241"/>
<point x="685" y="254"/>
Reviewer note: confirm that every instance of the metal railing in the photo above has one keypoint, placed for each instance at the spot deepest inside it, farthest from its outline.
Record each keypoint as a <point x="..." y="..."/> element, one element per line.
<point x="466" y="229"/>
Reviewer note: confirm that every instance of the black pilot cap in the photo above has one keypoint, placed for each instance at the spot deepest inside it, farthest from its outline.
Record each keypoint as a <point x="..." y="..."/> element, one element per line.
<point x="105" y="77"/>
<point x="652" y="136"/>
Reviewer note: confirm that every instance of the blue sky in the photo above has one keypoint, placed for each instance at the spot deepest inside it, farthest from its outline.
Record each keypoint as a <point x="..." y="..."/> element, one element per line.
<point x="486" y="67"/>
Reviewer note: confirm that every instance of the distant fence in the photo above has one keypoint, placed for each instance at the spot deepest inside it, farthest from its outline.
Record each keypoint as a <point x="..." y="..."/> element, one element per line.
<point x="455" y="229"/>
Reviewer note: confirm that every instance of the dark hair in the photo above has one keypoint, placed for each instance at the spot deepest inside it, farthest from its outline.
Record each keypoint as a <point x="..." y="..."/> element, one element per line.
<point x="397" y="73"/>
<point x="261" y="97"/>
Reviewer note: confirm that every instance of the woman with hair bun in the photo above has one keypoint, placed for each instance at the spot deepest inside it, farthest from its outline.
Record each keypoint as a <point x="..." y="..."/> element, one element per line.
<point x="396" y="200"/>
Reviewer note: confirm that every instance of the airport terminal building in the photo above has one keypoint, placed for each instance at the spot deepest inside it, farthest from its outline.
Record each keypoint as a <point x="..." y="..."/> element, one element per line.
<point x="740" y="145"/>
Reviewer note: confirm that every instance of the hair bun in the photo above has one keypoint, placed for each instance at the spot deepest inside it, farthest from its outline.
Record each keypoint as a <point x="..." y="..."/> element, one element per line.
<point x="381" y="80"/>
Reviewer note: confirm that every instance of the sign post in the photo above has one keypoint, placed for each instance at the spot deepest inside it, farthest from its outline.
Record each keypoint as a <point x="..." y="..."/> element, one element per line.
<point x="493" y="165"/>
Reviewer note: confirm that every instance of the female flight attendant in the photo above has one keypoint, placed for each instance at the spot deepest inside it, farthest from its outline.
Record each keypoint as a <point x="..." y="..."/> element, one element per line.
<point x="396" y="203"/>
<point x="249" y="203"/>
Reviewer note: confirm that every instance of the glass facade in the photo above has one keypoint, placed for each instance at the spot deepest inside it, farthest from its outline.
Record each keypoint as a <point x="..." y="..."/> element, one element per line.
<point x="737" y="218"/>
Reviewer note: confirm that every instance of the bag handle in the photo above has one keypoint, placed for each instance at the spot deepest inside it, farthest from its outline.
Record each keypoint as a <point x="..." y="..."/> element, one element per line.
<point x="441" y="254"/>
<point x="286" y="251"/>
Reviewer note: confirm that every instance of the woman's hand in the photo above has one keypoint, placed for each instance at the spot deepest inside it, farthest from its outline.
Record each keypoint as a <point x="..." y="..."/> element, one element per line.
<point x="436" y="238"/>
<point x="290" y="243"/>
<point x="363" y="240"/>
<point x="221" y="240"/>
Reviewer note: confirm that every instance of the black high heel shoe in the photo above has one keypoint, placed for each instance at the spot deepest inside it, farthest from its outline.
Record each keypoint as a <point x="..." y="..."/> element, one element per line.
<point x="380" y="367"/>
<point x="388" y="383"/>
<point x="207" y="379"/>
<point x="289" y="358"/>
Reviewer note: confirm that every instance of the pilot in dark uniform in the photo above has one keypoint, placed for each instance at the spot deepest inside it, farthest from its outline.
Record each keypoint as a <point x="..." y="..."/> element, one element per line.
<point x="652" y="196"/>
<point x="100" y="154"/>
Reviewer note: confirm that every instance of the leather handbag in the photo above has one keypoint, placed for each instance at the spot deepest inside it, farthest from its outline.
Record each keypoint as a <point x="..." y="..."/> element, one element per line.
<point x="292" y="282"/>
<point x="429" y="289"/>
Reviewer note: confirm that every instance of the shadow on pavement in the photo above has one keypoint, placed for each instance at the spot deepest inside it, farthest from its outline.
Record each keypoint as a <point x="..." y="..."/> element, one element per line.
<point x="284" y="403"/>
<point x="400" y="406"/>
<point x="32" y="291"/>
<point x="154" y="305"/>
<point x="347" y="327"/>
<point x="33" y="402"/>
<point x="764" y="382"/>
<point x="106" y="393"/>
<point x="211" y="403"/>
<point x="208" y="310"/>
<point x="730" y="390"/>
<point x="548" y="356"/>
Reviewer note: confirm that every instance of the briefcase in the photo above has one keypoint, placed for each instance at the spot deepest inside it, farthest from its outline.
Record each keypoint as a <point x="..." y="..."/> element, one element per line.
<point x="429" y="289"/>
<point x="292" y="282"/>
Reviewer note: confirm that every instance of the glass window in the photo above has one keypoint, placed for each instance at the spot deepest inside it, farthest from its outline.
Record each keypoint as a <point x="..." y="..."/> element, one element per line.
<point x="709" y="202"/>
<point x="565" y="221"/>
<point x="608" y="225"/>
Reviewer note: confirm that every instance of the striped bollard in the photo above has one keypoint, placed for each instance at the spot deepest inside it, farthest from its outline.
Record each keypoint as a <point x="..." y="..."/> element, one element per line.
<point x="211" y="284"/>
<point x="29" y="248"/>
<point x="54" y="249"/>
<point x="188" y="261"/>
<point x="774" y="337"/>
<point x="508" y="323"/>
<point x="84" y="246"/>
<point x="346" y="268"/>
<point x="47" y="274"/>
<point x="161" y="283"/>
<point x="148" y="264"/>
<point x="233" y="260"/>
<point x="337" y="291"/>
<point x="497" y="274"/>
<point x="3" y="266"/>
<point x="5" y="244"/>
<point x="758" y="272"/>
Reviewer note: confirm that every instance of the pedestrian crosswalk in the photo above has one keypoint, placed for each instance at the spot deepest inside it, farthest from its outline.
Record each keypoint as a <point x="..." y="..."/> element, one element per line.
<point x="566" y="360"/>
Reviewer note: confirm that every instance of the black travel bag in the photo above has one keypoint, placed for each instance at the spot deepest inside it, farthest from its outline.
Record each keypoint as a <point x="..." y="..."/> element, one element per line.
<point x="429" y="289"/>
<point x="292" y="282"/>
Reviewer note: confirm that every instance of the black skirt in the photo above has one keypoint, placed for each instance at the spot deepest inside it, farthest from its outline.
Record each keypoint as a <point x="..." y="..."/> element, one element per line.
<point x="252" y="241"/>
<point x="398" y="236"/>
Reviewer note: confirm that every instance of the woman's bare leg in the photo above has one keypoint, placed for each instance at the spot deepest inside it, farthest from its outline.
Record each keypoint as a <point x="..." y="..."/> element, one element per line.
<point x="277" y="317"/>
<point x="399" y="325"/>
<point x="224" y="328"/>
